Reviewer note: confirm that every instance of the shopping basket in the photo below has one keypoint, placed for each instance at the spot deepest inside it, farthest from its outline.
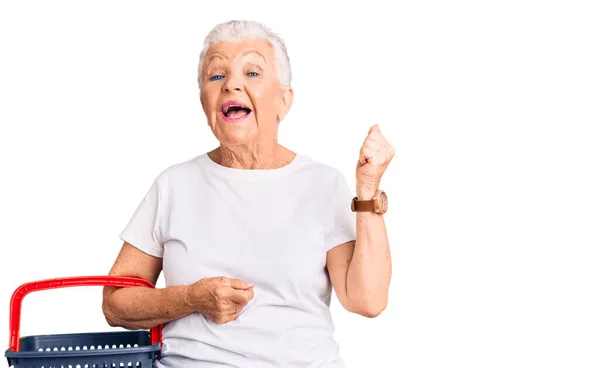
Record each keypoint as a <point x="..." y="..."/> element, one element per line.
<point x="81" y="350"/>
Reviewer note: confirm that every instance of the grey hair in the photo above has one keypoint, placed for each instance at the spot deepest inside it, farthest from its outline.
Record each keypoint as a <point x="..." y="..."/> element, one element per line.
<point x="235" y="30"/>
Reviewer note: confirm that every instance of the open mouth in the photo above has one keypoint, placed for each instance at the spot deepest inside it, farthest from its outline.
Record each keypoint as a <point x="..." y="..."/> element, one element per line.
<point x="235" y="111"/>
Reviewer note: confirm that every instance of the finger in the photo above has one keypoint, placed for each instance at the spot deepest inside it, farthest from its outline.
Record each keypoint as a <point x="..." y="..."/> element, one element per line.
<point x="371" y="144"/>
<point x="234" y="314"/>
<point x="241" y="296"/>
<point x="368" y="149"/>
<point x="367" y="154"/>
<point x="240" y="284"/>
<point x="377" y="140"/>
<point x="238" y="309"/>
<point x="379" y="143"/>
<point x="378" y="159"/>
<point x="391" y="151"/>
<point x="227" y="316"/>
<point x="376" y="137"/>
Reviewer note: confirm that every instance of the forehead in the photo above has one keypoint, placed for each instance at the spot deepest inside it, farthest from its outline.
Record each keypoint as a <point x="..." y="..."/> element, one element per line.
<point x="232" y="50"/>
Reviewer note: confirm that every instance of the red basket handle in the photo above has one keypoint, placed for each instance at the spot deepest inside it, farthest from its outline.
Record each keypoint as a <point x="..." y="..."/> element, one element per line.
<point x="23" y="290"/>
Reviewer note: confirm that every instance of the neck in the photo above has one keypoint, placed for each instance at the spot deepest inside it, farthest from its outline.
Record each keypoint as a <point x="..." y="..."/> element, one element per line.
<point x="265" y="157"/>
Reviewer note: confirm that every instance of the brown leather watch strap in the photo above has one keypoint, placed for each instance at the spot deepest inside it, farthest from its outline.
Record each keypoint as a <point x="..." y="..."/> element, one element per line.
<point x="363" y="206"/>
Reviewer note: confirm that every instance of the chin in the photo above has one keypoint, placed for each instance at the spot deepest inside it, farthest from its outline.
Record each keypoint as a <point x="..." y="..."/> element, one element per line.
<point x="234" y="134"/>
<point x="236" y="138"/>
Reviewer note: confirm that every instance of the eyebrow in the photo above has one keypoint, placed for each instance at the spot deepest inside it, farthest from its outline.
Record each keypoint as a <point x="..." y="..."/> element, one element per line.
<point x="215" y="55"/>
<point x="257" y="66"/>
<point x="219" y="56"/>
<point x="209" y="62"/>
<point x="255" y="52"/>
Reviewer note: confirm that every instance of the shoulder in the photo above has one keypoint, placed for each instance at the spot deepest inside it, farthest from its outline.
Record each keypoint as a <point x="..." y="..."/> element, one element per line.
<point x="323" y="171"/>
<point x="177" y="171"/>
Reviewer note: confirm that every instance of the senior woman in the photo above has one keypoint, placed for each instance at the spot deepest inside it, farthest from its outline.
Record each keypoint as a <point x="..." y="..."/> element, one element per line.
<point x="252" y="236"/>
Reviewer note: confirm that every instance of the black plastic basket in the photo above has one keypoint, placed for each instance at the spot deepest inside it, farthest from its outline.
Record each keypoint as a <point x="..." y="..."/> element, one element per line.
<point x="81" y="350"/>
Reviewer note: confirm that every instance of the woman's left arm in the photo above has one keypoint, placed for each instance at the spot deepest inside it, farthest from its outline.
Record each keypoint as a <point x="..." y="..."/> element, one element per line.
<point x="361" y="270"/>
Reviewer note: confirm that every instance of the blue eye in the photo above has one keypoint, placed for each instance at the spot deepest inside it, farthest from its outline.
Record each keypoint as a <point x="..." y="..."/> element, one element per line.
<point x="215" y="77"/>
<point x="253" y="74"/>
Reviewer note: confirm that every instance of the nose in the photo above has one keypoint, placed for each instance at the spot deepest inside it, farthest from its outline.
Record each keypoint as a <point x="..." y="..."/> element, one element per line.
<point x="233" y="83"/>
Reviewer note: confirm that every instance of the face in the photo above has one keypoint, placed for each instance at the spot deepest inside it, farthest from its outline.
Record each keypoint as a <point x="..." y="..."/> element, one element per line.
<point x="241" y="94"/>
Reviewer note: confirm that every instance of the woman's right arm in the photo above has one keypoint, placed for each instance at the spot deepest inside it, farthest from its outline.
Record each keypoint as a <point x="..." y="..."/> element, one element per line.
<point x="141" y="307"/>
<point x="217" y="298"/>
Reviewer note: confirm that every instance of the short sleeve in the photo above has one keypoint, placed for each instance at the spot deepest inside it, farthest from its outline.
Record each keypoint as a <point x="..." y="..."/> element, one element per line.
<point x="343" y="220"/>
<point x="143" y="229"/>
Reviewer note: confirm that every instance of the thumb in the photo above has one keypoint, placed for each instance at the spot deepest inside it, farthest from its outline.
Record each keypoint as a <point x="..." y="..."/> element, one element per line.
<point x="375" y="128"/>
<point x="362" y="159"/>
<point x="240" y="284"/>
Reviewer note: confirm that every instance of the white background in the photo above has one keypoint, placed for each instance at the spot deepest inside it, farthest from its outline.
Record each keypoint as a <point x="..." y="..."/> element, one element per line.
<point x="493" y="108"/>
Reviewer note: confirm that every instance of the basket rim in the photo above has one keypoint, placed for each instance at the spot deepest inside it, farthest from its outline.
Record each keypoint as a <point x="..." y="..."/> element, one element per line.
<point x="89" y="334"/>
<point x="82" y="353"/>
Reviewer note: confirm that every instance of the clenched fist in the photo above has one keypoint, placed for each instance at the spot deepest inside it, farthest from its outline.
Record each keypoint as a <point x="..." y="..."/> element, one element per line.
<point x="374" y="157"/>
<point x="219" y="299"/>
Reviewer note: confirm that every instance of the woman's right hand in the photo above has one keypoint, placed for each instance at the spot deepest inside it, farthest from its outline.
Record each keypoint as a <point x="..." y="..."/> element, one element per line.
<point x="219" y="299"/>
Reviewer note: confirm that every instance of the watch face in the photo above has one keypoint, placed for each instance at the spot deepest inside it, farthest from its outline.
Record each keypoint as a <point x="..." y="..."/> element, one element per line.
<point x="383" y="202"/>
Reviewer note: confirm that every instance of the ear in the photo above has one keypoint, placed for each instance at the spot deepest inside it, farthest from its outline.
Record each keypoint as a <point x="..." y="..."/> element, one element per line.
<point x="287" y="98"/>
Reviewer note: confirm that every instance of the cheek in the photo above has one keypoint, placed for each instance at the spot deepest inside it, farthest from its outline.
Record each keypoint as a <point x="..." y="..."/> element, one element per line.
<point x="210" y="95"/>
<point x="266" y="101"/>
<point x="212" y="112"/>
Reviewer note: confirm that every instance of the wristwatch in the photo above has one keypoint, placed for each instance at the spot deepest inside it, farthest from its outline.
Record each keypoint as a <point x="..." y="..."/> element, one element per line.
<point x="379" y="204"/>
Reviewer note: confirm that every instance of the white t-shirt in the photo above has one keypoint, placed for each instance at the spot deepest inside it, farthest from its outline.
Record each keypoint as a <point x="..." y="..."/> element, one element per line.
<point x="272" y="228"/>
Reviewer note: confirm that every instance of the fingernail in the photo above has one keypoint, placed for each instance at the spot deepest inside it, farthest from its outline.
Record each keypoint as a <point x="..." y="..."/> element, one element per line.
<point x="250" y="284"/>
